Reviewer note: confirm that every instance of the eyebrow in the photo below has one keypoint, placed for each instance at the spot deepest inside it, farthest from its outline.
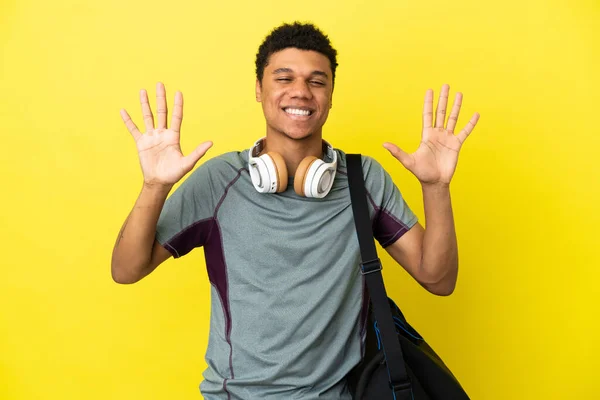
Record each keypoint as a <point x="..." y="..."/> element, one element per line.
<point x="289" y="70"/>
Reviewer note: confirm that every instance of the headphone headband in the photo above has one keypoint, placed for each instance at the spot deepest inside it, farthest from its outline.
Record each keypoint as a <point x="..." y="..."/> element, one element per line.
<point x="259" y="146"/>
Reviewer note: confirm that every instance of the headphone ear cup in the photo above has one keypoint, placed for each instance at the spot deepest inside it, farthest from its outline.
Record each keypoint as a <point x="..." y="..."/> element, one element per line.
<point x="280" y="170"/>
<point x="301" y="174"/>
<point x="259" y="174"/>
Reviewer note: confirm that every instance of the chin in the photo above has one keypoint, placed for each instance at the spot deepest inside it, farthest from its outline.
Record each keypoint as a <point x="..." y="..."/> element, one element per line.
<point x="296" y="133"/>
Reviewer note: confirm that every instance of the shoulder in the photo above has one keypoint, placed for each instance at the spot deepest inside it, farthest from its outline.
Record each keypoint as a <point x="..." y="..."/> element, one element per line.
<point x="370" y="166"/>
<point x="226" y="162"/>
<point x="221" y="168"/>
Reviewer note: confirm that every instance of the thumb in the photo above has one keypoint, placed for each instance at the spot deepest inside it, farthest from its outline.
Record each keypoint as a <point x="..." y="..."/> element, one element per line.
<point x="191" y="159"/>
<point x="402" y="156"/>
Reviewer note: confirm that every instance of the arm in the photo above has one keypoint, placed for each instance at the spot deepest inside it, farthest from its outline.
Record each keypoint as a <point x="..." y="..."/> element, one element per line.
<point x="136" y="252"/>
<point x="430" y="255"/>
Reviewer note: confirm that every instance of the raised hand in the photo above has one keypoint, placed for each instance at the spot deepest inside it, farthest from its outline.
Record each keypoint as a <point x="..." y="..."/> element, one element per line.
<point x="436" y="158"/>
<point x="159" y="151"/>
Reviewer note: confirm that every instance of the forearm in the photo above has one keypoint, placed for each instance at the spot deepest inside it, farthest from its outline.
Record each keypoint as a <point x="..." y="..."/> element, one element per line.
<point x="133" y="249"/>
<point x="439" y="262"/>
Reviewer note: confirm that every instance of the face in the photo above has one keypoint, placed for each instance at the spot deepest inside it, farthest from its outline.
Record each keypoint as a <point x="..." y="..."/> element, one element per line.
<point x="296" y="92"/>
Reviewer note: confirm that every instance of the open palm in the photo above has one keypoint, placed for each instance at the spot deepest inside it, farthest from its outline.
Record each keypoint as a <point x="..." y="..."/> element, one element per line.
<point x="159" y="148"/>
<point x="436" y="158"/>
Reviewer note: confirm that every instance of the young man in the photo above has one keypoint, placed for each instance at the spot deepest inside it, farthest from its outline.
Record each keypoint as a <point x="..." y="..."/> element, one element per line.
<point x="288" y="305"/>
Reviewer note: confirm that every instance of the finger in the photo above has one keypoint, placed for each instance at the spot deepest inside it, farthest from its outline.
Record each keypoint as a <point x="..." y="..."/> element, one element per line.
<point x="454" y="113"/>
<point x="428" y="109"/>
<point x="464" y="134"/>
<point x="177" y="116"/>
<point x="404" y="158"/>
<point x="191" y="159"/>
<point x="146" y="111"/>
<point x="133" y="129"/>
<point x="440" y="114"/>
<point x="161" y="106"/>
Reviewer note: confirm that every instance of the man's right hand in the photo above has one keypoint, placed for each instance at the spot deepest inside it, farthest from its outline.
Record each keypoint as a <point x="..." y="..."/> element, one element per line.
<point x="160" y="154"/>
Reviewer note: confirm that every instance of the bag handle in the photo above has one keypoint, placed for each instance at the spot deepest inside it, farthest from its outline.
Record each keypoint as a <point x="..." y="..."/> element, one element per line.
<point x="371" y="270"/>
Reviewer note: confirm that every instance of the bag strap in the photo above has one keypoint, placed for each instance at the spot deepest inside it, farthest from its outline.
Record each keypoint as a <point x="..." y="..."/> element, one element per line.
<point x="371" y="270"/>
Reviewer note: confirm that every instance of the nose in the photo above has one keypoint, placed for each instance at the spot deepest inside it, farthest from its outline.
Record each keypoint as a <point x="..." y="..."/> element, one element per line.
<point x="300" y="89"/>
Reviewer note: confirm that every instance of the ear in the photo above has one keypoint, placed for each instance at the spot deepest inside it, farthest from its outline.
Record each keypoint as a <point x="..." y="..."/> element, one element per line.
<point x="258" y="91"/>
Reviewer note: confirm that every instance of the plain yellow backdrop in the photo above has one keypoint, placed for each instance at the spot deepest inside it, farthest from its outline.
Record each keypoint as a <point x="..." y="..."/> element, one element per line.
<point x="523" y="321"/>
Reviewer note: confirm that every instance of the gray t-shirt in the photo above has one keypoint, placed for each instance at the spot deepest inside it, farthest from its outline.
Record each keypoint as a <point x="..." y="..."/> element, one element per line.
<point x="288" y="302"/>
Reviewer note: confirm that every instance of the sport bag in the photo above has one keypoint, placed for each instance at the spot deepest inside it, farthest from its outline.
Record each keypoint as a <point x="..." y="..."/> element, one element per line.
<point x="398" y="364"/>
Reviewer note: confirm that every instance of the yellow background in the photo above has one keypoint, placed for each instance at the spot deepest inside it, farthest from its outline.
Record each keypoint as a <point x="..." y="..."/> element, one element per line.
<point x="523" y="321"/>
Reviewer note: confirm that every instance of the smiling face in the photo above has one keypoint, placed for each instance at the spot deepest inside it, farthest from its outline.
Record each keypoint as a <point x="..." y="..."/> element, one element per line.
<point x="296" y="93"/>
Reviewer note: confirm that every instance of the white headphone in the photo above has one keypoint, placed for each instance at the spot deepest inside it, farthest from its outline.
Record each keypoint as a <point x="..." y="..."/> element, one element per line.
<point x="314" y="177"/>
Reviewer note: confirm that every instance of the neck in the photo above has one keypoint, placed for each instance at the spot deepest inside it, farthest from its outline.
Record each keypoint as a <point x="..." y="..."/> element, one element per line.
<point x="294" y="151"/>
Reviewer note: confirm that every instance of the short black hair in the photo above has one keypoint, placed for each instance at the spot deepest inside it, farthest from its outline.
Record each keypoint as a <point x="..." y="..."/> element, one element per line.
<point x="303" y="36"/>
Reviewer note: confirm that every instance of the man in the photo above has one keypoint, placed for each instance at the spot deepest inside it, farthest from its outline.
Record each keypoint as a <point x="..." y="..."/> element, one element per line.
<point x="288" y="306"/>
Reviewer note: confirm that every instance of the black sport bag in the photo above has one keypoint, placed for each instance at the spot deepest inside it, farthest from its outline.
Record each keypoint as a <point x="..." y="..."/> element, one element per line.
<point x="398" y="363"/>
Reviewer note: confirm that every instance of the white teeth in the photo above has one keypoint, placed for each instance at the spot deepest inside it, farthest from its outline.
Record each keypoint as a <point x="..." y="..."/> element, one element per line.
<point x="296" y="111"/>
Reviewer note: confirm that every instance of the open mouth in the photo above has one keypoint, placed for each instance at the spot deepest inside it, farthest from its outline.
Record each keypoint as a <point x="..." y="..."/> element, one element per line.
<point x="298" y="112"/>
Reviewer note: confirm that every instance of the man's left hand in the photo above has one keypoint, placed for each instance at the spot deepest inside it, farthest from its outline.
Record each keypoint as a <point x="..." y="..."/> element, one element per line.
<point x="434" y="162"/>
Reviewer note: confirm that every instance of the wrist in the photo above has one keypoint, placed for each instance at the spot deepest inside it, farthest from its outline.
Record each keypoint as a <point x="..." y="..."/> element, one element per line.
<point x="156" y="188"/>
<point x="435" y="185"/>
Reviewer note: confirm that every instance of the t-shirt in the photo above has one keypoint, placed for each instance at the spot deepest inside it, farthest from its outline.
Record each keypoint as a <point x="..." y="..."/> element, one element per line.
<point x="288" y="301"/>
